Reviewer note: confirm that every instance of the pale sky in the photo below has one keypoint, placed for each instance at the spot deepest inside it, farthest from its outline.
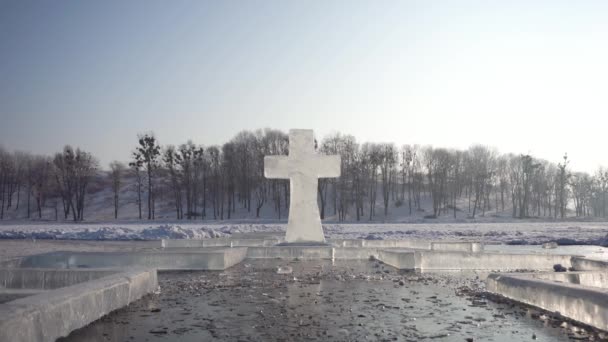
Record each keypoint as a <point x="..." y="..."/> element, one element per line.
<point x="522" y="76"/>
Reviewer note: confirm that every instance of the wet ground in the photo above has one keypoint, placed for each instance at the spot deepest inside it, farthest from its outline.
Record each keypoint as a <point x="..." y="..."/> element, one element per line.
<point x="346" y="301"/>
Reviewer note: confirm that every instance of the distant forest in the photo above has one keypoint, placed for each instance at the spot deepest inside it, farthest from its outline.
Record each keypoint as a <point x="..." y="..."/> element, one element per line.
<point x="211" y="182"/>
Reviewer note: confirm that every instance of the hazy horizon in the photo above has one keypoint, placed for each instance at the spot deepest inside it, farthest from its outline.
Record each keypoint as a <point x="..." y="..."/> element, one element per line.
<point x="522" y="77"/>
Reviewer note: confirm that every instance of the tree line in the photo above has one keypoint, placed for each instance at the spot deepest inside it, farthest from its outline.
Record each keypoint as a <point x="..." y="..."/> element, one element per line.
<point x="213" y="182"/>
<point x="36" y="181"/>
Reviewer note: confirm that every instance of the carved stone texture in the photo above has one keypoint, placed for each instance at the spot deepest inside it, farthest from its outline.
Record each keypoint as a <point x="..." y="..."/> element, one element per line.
<point x="303" y="167"/>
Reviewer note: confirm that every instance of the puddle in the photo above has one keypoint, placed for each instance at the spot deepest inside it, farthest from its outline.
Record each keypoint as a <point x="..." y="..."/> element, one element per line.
<point x="340" y="302"/>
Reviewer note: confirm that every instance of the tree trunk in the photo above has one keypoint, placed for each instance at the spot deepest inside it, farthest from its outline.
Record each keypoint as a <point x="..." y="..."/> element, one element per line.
<point x="149" y="192"/>
<point x="18" y="196"/>
<point x="38" y="201"/>
<point x="409" y="193"/>
<point x="139" y="197"/>
<point x="2" y="197"/>
<point x="29" y="192"/>
<point x="204" y="213"/>
<point x="116" y="206"/>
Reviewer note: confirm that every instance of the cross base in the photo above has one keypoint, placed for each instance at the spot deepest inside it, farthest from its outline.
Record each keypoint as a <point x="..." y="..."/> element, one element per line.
<point x="304" y="244"/>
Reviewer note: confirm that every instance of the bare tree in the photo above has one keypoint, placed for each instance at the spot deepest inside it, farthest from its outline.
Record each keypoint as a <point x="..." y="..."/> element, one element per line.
<point x="190" y="161"/>
<point x="117" y="170"/>
<point x="228" y="166"/>
<point x="41" y="177"/>
<point x="73" y="170"/>
<point x="215" y="179"/>
<point x="258" y="181"/>
<point x="146" y="154"/>
<point x="481" y="160"/>
<point x="387" y="172"/>
<point x="373" y="158"/>
<point x="563" y="178"/>
<point x="408" y="154"/>
<point x="136" y="170"/>
<point x="438" y="164"/>
<point x="599" y="194"/>
<point x="582" y="186"/>
<point x="5" y="177"/>
<point x="173" y="161"/>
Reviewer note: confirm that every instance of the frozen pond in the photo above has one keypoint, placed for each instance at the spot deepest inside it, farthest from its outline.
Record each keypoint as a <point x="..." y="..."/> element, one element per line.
<point x="320" y="301"/>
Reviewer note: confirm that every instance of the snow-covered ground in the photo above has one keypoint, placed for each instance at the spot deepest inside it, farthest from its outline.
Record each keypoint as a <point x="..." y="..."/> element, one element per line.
<point x="510" y="233"/>
<point x="516" y="232"/>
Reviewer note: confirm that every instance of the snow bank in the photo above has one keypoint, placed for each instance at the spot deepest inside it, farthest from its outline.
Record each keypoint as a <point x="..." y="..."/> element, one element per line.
<point x="118" y="233"/>
<point x="516" y="233"/>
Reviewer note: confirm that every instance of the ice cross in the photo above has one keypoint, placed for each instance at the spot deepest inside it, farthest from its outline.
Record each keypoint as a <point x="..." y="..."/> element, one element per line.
<point x="303" y="167"/>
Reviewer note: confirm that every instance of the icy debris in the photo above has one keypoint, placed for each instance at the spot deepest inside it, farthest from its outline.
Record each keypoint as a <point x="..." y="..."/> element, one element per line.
<point x="511" y="233"/>
<point x="550" y="245"/>
<point x="117" y="233"/>
<point x="284" y="270"/>
<point x="516" y="242"/>
<point x="567" y="242"/>
<point x="603" y="241"/>
<point x="559" y="268"/>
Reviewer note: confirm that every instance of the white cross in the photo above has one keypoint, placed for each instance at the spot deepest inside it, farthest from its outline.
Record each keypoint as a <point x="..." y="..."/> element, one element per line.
<point x="303" y="167"/>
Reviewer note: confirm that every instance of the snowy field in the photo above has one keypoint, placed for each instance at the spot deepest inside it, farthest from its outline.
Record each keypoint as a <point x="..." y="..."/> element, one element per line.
<point x="516" y="232"/>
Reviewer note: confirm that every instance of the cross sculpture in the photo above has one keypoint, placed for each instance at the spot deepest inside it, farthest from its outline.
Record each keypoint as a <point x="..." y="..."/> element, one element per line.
<point x="303" y="167"/>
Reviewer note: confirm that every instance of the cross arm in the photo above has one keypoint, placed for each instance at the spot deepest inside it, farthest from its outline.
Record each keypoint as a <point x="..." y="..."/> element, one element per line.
<point x="276" y="167"/>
